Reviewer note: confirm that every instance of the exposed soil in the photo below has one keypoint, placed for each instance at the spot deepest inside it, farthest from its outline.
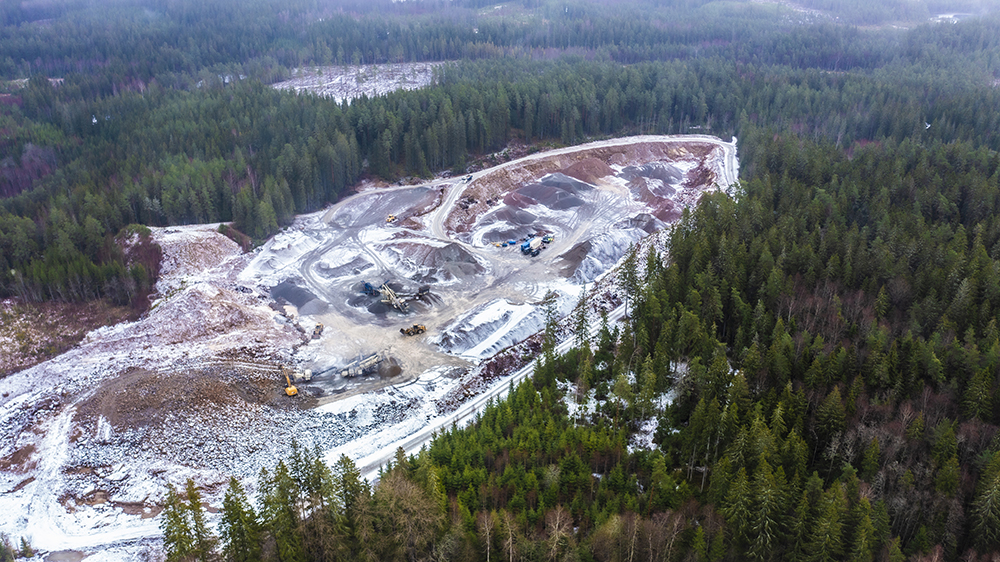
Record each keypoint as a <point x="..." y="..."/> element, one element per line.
<point x="138" y="398"/>
<point x="31" y="333"/>
<point x="18" y="460"/>
<point x="589" y="170"/>
<point x="496" y="183"/>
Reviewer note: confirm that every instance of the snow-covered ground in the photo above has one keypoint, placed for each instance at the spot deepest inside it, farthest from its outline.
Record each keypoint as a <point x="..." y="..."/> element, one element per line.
<point x="344" y="83"/>
<point x="89" y="440"/>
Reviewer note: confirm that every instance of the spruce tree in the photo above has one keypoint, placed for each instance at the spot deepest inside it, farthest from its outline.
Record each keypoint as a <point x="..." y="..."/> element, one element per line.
<point x="863" y="545"/>
<point x="986" y="508"/>
<point x="202" y="540"/>
<point x="178" y="541"/>
<point x="280" y="503"/>
<point x="239" y="528"/>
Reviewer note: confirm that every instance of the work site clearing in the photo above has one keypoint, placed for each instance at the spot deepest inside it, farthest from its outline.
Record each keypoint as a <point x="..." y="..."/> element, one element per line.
<point x="387" y="330"/>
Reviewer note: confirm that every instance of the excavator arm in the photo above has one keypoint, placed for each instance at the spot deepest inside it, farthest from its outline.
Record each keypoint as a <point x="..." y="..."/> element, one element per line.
<point x="289" y="387"/>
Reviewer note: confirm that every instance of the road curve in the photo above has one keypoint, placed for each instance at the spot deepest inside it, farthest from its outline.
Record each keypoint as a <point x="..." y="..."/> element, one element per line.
<point x="369" y="466"/>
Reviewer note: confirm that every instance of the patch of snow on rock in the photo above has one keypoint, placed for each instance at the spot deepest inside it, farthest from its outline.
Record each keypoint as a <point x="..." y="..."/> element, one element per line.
<point x="491" y="327"/>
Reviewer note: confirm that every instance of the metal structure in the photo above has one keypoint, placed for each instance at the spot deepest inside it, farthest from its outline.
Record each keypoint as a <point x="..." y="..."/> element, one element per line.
<point x="391" y="298"/>
<point x="361" y="366"/>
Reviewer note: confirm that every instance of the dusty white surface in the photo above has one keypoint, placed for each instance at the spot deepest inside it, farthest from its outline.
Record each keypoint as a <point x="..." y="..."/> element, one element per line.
<point x="88" y="457"/>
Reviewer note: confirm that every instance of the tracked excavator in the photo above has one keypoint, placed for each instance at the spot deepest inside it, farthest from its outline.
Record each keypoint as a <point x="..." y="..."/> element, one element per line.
<point x="289" y="387"/>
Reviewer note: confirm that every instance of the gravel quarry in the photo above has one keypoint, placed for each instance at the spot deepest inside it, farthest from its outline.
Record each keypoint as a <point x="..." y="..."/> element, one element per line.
<point x="89" y="440"/>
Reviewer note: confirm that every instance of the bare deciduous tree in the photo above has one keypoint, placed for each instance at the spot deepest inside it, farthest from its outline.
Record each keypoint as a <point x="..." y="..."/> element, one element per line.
<point x="486" y="522"/>
<point x="559" y="528"/>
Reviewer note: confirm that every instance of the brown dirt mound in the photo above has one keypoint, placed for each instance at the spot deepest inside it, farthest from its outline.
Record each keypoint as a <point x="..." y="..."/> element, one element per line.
<point x="139" y="398"/>
<point x="19" y="460"/>
<point x="589" y="170"/>
<point x="499" y="182"/>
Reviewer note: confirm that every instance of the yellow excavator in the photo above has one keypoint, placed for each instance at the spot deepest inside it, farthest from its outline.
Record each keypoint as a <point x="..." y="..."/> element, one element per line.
<point x="290" y="388"/>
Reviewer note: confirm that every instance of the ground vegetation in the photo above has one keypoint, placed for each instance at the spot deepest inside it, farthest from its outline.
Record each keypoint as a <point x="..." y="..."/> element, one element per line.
<point x="101" y="133"/>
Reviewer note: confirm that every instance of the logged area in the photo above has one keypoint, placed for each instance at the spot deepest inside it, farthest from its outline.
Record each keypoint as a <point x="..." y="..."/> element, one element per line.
<point x="346" y="82"/>
<point x="386" y="312"/>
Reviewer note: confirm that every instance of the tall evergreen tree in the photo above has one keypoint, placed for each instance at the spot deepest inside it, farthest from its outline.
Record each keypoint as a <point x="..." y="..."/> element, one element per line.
<point x="178" y="539"/>
<point x="202" y="540"/>
<point x="239" y="528"/>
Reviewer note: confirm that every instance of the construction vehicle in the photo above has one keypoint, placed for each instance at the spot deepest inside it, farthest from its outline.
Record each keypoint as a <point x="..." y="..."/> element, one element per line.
<point x="390" y="219"/>
<point x="413" y="330"/>
<point x="361" y="366"/>
<point x="289" y="387"/>
<point x="548" y="238"/>
<point x="317" y="331"/>
<point x="530" y="246"/>
<point x="422" y="292"/>
<point x="391" y="298"/>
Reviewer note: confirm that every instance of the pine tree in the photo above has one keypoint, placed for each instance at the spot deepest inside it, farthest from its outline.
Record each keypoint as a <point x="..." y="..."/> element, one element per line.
<point x="739" y="506"/>
<point x="647" y="393"/>
<point x="870" y="461"/>
<point x="581" y="324"/>
<point x="979" y="395"/>
<point x="826" y="541"/>
<point x="830" y="415"/>
<point x="986" y="508"/>
<point x="239" y="528"/>
<point x="863" y="545"/>
<point x="178" y="540"/>
<point x="766" y="529"/>
<point x="280" y="513"/>
<point x="202" y="540"/>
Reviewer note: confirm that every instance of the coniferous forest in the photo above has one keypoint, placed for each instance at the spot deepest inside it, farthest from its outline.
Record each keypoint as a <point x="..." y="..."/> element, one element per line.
<point x="818" y="348"/>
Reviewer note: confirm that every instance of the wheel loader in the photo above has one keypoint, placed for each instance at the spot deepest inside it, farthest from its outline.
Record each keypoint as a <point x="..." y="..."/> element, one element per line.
<point x="413" y="330"/>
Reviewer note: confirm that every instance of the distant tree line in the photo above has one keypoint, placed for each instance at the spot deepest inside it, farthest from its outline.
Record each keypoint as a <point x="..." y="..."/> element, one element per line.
<point x="125" y="142"/>
<point x="818" y="353"/>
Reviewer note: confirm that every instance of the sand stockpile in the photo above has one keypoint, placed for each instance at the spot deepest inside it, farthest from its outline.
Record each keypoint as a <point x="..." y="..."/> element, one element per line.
<point x="586" y="164"/>
<point x="589" y="170"/>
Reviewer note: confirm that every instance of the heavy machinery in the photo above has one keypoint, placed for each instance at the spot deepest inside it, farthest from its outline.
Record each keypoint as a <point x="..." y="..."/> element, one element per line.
<point x="531" y="246"/>
<point x="390" y="219"/>
<point x="399" y="301"/>
<point x="390" y="297"/>
<point x="361" y="366"/>
<point x="548" y="238"/>
<point x="317" y="331"/>
<point x="422" y="292"/>
<point x="413" y="330"/>
<point x="289" y="387"/>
